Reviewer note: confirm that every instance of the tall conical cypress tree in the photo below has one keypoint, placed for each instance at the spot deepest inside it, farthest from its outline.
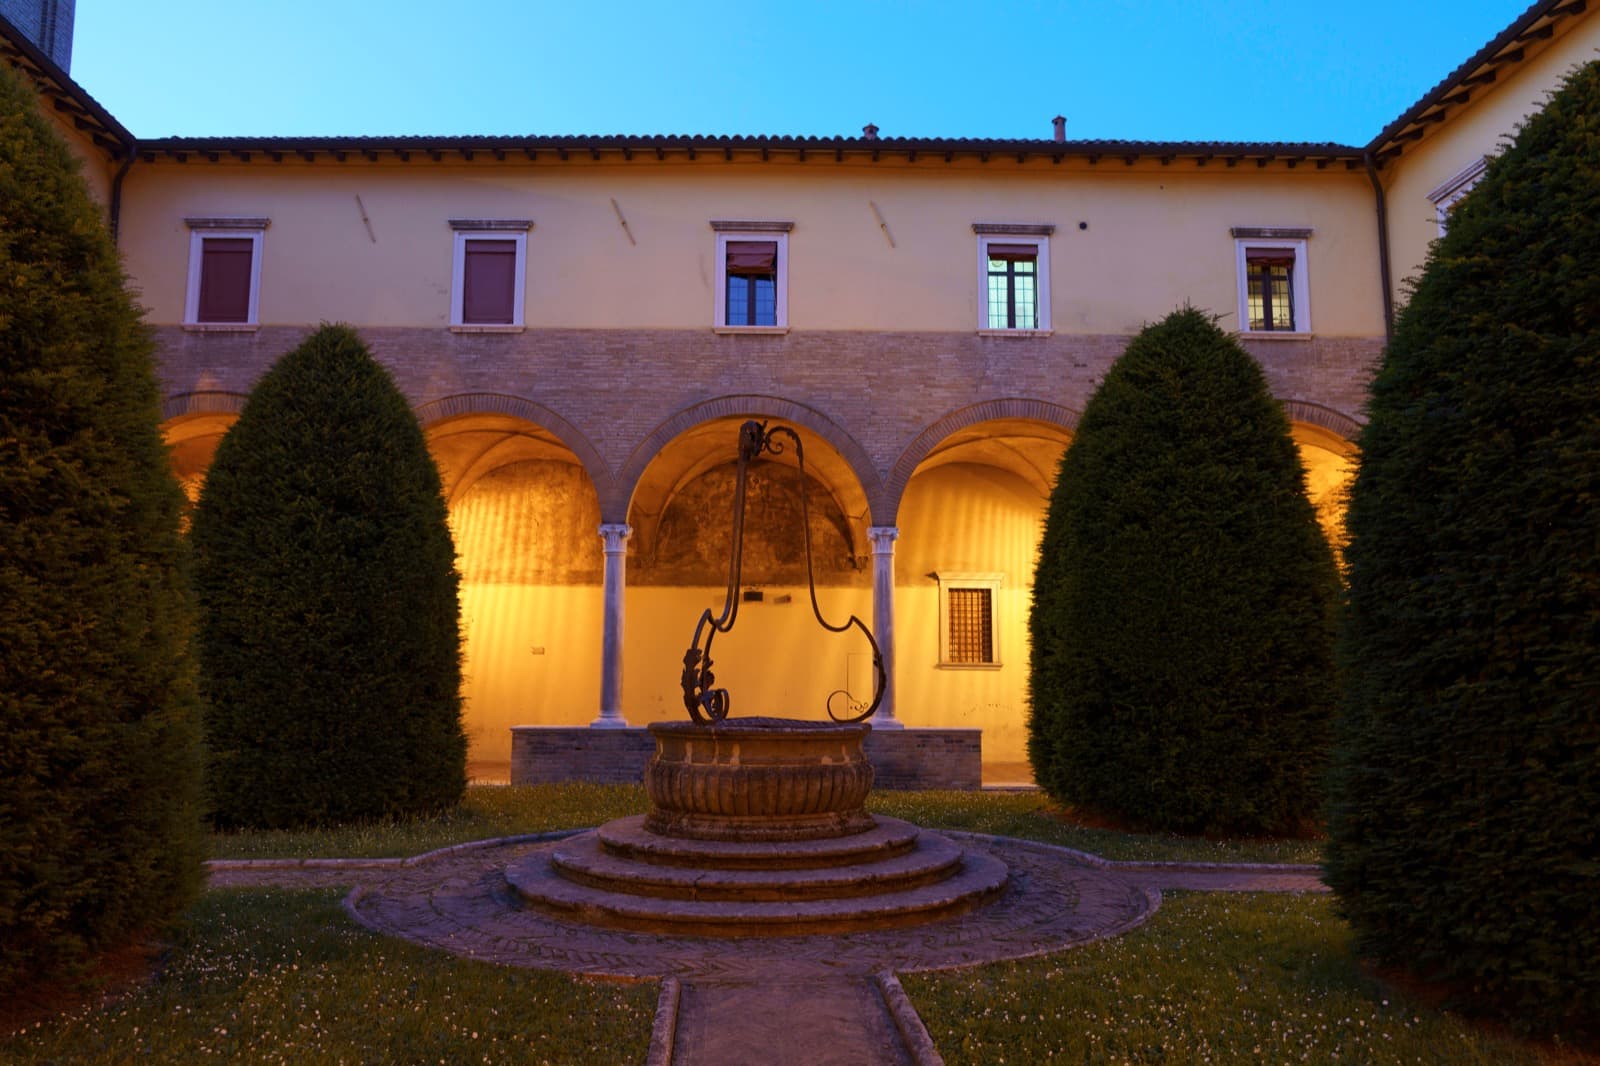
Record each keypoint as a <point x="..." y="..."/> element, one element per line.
<point x="1465" y="822"/>
<point x="1182" y="624"/>
<point x="100" y="829"/>
<point x="330" y="643"/>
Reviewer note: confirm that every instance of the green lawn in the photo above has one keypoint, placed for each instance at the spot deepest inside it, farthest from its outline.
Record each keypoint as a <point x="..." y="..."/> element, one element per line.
<point x="497" y="810"/>
<point x="1212" y="978"/>
<point x="273" y="976"/>
<point x="266" y="976"/>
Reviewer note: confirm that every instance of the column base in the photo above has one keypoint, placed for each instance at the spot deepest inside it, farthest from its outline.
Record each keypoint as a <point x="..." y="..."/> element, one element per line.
<point x="613" y="720"/>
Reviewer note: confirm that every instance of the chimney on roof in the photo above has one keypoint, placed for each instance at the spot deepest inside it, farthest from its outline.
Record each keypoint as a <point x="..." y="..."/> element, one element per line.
<point x="1060" y="123"/>
<point x="870" y="132"/>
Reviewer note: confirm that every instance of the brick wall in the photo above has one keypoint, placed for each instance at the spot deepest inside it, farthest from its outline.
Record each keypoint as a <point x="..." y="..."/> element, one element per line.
<point x="611" y="394"/>
<point x="901" y="758"/>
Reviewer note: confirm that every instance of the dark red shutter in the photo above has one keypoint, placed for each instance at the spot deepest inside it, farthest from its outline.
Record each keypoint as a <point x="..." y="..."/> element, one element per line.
<point x="1014" y="251"/>
<point x="225" y="279"/>
<point x="489" y="283"/>
<point x="752" y="257"/>
<point x="1273" y="257"/>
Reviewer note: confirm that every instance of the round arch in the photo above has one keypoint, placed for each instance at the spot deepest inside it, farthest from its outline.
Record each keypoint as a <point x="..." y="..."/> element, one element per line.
<point x="615" y="507"/>
<point x="1014" y="409"/>
<point x="1334" y="423"/>
<point x="468" y="404"/>
<point x="192" y="424"/>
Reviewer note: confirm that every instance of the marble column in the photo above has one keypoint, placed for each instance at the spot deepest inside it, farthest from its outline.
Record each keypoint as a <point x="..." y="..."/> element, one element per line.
<point x="883" y="538"/>
<point x="616" y="536"/>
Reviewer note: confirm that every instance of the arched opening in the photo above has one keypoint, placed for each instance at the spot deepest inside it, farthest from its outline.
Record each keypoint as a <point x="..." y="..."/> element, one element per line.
<point x="1330" y="461"/>
<point x="777" y="660"/>
<point x="970" y="520"/>
<point x="192" y="440"/>
<point x="525" y="516"/>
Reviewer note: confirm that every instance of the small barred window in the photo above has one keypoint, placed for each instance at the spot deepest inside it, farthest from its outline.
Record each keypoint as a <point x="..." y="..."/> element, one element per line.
<point x="971" y="626"/>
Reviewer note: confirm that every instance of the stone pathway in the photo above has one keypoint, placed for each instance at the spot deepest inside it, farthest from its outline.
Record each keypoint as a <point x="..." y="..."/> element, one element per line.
<point x="820" y="1000"/>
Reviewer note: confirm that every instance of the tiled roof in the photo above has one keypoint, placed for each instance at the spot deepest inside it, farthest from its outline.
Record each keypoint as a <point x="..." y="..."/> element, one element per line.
<point x="691" y="145"/>
<point x="68" y="97"/>
<point x="1512" y="45"/>
<point x="1533" y="27"/>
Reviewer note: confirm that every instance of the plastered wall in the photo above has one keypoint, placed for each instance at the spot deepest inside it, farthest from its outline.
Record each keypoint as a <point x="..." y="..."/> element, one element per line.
<point x="1131" y="242"/>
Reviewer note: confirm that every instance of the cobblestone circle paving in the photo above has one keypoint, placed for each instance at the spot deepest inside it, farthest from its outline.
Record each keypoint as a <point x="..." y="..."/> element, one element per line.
<point x="458" y="901"/>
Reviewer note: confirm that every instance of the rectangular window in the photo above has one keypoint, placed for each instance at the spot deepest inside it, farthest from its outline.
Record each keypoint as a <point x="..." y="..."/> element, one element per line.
<point x="1454" y="190"/>
<point x="489" y="282"/>
<point x="489" y="276"/>
<point x="968" y="633"/>
<point x="1274" y="290"/>
<point x="971" y="626"/>
<point x="1269" y="278"/>
<point x="1013" y="277"/>
<point x="224" y="273"/>
<point x="752" y="268"/>
<point x="1013" y="286"/>
<point x="752" y="276"/>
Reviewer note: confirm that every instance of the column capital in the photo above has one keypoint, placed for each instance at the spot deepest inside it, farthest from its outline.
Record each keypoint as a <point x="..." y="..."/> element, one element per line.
<point x="616" y="536"/>
<point x="883" y="538"/>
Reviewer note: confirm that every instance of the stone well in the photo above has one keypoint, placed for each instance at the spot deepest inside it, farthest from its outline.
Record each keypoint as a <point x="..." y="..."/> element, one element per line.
<point x="757" y="828"/>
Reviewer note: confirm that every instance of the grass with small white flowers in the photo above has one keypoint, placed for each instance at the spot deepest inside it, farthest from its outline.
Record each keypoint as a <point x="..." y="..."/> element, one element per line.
<point x="273" y="976"/>
<point x="1211" y="978"/>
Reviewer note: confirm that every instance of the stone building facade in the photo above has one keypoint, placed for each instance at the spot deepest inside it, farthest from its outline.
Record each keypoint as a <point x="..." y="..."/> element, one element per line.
<point x="583" y="322"/>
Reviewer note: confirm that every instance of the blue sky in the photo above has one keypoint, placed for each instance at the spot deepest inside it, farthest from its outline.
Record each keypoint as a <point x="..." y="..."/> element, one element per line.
<point x="1293" y="70"/>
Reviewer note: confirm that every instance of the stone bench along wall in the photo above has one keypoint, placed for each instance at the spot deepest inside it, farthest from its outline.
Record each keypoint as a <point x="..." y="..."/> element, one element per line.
<point x="901" y="758"/>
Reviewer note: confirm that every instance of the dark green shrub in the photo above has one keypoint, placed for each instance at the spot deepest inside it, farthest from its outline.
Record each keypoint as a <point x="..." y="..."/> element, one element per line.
<point x="1465" y="808"/>
<point x="1182" y="621"/>
<point x="100" y="827"/>
<point x="330" y="646"/>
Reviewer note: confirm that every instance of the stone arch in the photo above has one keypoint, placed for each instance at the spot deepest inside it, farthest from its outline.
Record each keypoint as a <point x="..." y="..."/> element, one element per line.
<point x="493" y="403"/>
<point x="1338" y="423"/>
<point x="192" y="404"/>
<point x="1325" y="439"/>
<point x="1013" y="408"/>
<point x="614" y="508"/>
<point x="192" y="424"/>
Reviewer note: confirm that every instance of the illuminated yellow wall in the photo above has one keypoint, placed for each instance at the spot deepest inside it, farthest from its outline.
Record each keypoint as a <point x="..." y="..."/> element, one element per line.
<point x="1478" y="129"/>
<point x="776" y="661"/>
<point x="1157" y="237"/>
<point x="1330" y="463"/>
<point x="967" y="518"/>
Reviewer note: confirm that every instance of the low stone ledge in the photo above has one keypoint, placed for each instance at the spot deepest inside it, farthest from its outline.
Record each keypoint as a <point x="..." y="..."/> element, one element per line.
<point x="901" y="758"/>
<point x="551" y="754"/>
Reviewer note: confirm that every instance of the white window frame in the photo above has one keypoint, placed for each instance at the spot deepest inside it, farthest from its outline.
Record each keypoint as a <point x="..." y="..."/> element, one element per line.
<point x="1292" y="240"/>
<point x="948" y="580"/>
<point x="728" y="230"/>
<point x="1015" y="233"/>
<point x="202" y="229"/>
<point x="1450" y="192"/>
<point x="489" y="229"/>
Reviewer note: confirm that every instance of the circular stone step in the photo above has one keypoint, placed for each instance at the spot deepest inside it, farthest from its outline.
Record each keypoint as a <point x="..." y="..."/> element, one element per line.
<point x="585" y="860"/>
<point x="629" y="838"/>
<point x="980" y="876"/>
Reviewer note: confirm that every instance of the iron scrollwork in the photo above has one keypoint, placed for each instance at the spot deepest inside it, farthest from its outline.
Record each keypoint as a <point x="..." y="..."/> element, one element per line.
<point x="704" y="701"/>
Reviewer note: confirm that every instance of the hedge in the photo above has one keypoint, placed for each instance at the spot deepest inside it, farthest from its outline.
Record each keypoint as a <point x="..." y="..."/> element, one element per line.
<point x="100" y="828"/>
<point x="330" y="643"/>
<point x="1465" y="823"/>
<point x="1182" y="623"/>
